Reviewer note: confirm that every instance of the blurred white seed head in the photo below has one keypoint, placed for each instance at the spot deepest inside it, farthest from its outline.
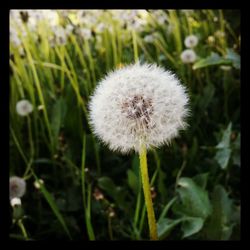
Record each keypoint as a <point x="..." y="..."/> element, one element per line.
<point x="191" y="41"/>
<point x="24" y="107"/>
<point x="138" y="104"/>
<point x="149" y="38"/>
<point x="188" y="56"/>
<point x="17" y="187"/>
<point x="15" y="202"/>
<point x="38" y="183"/>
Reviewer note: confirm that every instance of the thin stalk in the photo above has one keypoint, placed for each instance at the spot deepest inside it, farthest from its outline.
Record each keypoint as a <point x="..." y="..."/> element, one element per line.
<point x="110" y="228"/>
<point x="147" y="193"/>
<point x="20" y="224"/>
<point x="32" y="152"/>
<point x="136" y="55"/>
<point x="88" y="216"/>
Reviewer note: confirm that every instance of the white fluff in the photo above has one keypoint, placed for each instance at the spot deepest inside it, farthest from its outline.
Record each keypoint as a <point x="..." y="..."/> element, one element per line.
<point x="138" y="104"/>
<point x="188" y="56"/>
<point x="191" y="41"/>
<point x="15" y="202"/>
<point x="17" y="187"/>
<point x="24" y="107"/>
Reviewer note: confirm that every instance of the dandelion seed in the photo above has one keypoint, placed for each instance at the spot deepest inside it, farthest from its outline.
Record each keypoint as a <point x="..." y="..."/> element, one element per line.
<point x="188" y="56"/>
<point x="15" y="202"/>
<point x="191" y="41"/>
<point x="17" y="187"/>
<point x="138" y="103"/>
<point x="24" y="107"/>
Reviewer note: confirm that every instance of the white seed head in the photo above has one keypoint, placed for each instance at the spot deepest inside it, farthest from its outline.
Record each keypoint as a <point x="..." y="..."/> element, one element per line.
<point x="138" y="104"/>
<point x="191" y="41"/>
<point x="188" y="56"/>
<point x="24" y="107"/>
<point x="15" y="202"/>
<point x="17" y="187"/>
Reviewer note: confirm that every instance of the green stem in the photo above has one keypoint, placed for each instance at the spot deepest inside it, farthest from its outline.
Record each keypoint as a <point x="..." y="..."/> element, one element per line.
<point x="147" y="193"/>
<point x="20" y="224"/>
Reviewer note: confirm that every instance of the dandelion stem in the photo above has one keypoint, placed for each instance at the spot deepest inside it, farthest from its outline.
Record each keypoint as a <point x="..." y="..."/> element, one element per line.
<point x="20" y="224"/>
<point x="147" y="193"/>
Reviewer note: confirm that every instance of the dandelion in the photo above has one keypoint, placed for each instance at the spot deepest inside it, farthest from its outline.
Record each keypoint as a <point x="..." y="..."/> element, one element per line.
<point x="17" y="187"/>
<point x="135" y="108"/>
<point x="24" y="107"/>
<point x="85" y="33"/>
<point x="191" y="41"/>
<point x="188" y="56"/>
<point x="15" y="202"/>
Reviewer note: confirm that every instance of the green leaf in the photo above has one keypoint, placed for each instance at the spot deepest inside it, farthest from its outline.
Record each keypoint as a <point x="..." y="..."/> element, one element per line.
<point x="225" y="141"/>
<point x="220" y="224"/>
<point x="234" y="58"/>
<point x="191" y="225"/>
<point x="222" y="157"/>
<point x="165" y="226"/>
<point x="133" y="181"/>
<point x="213" y="59"/>
<point x="53" y="206"/>
<point x="194" y="201"/>
<point x="201" y="180"/>
<point x="107" y="185"/>
<point x="223" y="148"/>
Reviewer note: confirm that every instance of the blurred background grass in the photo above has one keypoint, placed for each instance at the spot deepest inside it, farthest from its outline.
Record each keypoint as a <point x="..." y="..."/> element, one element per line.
<point x="89" y="192"/>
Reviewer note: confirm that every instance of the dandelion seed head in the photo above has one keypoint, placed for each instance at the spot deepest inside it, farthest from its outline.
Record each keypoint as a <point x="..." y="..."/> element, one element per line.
<point x="24" y="107"/>
<point x="17" y="187"/>
<point x="139" y="103"/>
<point x="191" y="41"/>
<point x="188" y="56"/>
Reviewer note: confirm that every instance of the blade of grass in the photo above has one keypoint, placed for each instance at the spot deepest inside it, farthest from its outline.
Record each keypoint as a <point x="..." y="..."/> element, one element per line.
<point x="53" y="206"/>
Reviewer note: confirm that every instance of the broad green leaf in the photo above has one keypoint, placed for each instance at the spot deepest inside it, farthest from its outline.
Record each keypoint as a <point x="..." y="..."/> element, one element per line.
<point x="194" y="201"/>
<point x="234" y="57"/>
<point x="191" y="225"/>
<point x="133" y="181"/>
<point x="213" y="59"/>
<point x="220" y="224"/>
<point x="225" y="141"/>
<point x="201" y="180"/>
<point x="223" y="148"/>
<point x="222" y="157"/>
<point x="165" y="226"/>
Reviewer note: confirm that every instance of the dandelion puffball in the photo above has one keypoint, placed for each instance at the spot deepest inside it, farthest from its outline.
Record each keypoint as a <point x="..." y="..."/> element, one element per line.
<point x="138" y="104"/>
<point x="24" y="107"/>
<point x="17" y="187"/>
<point x="188" y="56"/>
<point x="191" y="41"/>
